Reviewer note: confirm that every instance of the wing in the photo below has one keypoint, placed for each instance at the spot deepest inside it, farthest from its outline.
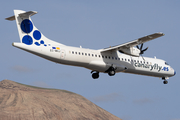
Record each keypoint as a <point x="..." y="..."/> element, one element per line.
<point x="133" y="43"/>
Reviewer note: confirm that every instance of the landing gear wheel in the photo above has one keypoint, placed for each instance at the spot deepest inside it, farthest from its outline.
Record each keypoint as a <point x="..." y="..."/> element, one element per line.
<point x="165" y="82"/>
<point x="95" y="75"/>
<point x="111" y="72"/>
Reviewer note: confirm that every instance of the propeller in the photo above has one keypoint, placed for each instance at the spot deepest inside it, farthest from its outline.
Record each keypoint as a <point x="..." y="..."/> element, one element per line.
<point x="141" y="50"/>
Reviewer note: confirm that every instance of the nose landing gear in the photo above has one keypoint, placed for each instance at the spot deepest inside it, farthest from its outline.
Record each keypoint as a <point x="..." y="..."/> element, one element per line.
<point x="165" y="81"/>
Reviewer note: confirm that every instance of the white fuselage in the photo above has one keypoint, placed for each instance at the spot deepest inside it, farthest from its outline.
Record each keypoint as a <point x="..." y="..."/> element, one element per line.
<point x="97" y="61"/>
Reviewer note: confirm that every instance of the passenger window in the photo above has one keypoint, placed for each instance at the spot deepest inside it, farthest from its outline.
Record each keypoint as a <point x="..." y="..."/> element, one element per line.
<point x="109" y="57"/>
<point x="122" y="59"/>
<point x="92" y="54"/>
<point x="134" y="60"/>
<point x="105" y="56"/>
<point x="99" y="55"/>
<point x="89" y="54"/>
<point x="102" y="56"/>
<point x="72" y="52"/>
<point x="79" y="53"/>
<point x="85" y="54"/>
<point x="95" y="55"/>
<point x="112" y="57"/>
<point x="118" y="58"/>
<point x="76" y="52"/>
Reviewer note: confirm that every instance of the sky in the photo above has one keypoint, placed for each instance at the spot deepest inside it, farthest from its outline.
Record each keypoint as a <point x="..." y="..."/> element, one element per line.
<point x="98" y="24"/>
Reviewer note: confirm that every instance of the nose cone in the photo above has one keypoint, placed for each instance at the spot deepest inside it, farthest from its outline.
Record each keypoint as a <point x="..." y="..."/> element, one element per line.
<point x="174" y="72"/>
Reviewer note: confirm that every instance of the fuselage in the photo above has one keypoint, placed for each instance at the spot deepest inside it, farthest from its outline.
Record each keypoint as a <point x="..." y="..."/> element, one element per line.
<point x="97" y="61"/>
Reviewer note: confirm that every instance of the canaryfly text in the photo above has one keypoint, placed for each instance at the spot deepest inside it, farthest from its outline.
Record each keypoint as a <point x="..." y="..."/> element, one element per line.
<point x="151" y="67"/>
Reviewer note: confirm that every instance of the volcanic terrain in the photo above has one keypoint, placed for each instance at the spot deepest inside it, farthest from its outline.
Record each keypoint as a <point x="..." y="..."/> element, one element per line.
<point x="23" y="102"/>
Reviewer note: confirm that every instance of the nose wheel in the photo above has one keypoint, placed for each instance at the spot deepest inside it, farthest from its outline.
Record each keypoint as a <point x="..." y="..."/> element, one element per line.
<point x="165" y="81"/>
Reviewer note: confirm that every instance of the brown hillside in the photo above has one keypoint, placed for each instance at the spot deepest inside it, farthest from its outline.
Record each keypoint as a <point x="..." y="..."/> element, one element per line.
<point x="22" y="102"/>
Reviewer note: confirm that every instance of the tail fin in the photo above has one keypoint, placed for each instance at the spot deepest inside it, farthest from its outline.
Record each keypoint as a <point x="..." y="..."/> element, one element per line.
<point x="28" y="33"/>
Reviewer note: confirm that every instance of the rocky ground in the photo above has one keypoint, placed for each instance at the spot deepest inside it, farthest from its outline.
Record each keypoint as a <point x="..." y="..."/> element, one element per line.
<point x="23" y="102"/>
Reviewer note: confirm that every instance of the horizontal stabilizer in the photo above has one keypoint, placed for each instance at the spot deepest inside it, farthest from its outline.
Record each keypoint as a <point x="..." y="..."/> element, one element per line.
<point x="30" y="13"/>
<point x="11" y="18"/>
<point x="26" y="14"/>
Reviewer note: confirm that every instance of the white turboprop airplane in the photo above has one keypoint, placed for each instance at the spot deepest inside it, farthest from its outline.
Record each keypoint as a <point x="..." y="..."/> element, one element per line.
<point x="121" y="58"/>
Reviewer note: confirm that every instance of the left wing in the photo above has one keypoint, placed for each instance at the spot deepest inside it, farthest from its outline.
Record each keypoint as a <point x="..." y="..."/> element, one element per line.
<point x="133" y="43"/>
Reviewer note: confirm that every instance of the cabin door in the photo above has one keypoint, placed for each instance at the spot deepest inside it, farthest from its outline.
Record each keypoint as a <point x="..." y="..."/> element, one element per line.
<point x="62" y="54"/>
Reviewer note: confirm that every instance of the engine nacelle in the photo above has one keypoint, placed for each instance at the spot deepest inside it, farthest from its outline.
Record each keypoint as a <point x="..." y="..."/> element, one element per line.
<point x="130" y="51"/>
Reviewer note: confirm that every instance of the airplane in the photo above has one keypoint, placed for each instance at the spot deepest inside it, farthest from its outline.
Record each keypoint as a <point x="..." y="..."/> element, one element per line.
<point x="126" y="58"/>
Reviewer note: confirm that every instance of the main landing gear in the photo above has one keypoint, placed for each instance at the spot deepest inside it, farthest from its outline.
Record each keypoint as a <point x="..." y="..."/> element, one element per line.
<point x="95" y="75"/>
<point x="110" y="71"/>
<point x="165" y="81"/>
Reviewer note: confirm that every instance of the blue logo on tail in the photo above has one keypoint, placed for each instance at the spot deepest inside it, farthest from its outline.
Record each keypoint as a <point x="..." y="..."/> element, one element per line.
<point x="27" y="27"/>
<point x="27" y="40"/>
<point x="37" y="35"/>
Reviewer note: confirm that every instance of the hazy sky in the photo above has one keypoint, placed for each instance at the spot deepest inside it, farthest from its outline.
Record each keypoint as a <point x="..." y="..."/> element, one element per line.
<point x="99" y="24"/>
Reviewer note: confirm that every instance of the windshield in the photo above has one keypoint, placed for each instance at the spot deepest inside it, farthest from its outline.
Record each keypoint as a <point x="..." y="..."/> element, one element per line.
<point x="166" y="63"/>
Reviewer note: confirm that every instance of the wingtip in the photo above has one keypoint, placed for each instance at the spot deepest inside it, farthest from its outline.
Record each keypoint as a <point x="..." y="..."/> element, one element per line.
<point x="161" y="33"/>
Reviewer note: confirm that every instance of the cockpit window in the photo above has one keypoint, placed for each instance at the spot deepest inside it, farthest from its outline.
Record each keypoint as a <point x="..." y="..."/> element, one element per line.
<point x="166" y="63"/>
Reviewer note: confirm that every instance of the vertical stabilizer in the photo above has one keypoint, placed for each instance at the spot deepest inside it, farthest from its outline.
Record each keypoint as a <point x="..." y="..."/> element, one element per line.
<point x="28" y="33"/>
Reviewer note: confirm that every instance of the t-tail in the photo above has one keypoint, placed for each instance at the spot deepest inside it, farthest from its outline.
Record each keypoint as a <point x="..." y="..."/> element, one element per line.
<point x="28" y="33"/>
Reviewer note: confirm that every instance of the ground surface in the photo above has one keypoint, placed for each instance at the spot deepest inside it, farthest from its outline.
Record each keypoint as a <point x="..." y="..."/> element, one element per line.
<point x="22" y="102"/>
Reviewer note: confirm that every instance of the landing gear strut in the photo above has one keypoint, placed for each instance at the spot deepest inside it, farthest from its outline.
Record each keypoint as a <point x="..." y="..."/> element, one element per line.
<point x="165" y="81"/>
<point x="95" y="75"/>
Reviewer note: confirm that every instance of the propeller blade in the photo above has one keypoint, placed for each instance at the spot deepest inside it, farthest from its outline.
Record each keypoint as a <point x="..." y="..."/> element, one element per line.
<point x="145" y="49"/>
<point x="137" y="47"/>
<point x="141" y="51"/>
<point x="141" y="46"/>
